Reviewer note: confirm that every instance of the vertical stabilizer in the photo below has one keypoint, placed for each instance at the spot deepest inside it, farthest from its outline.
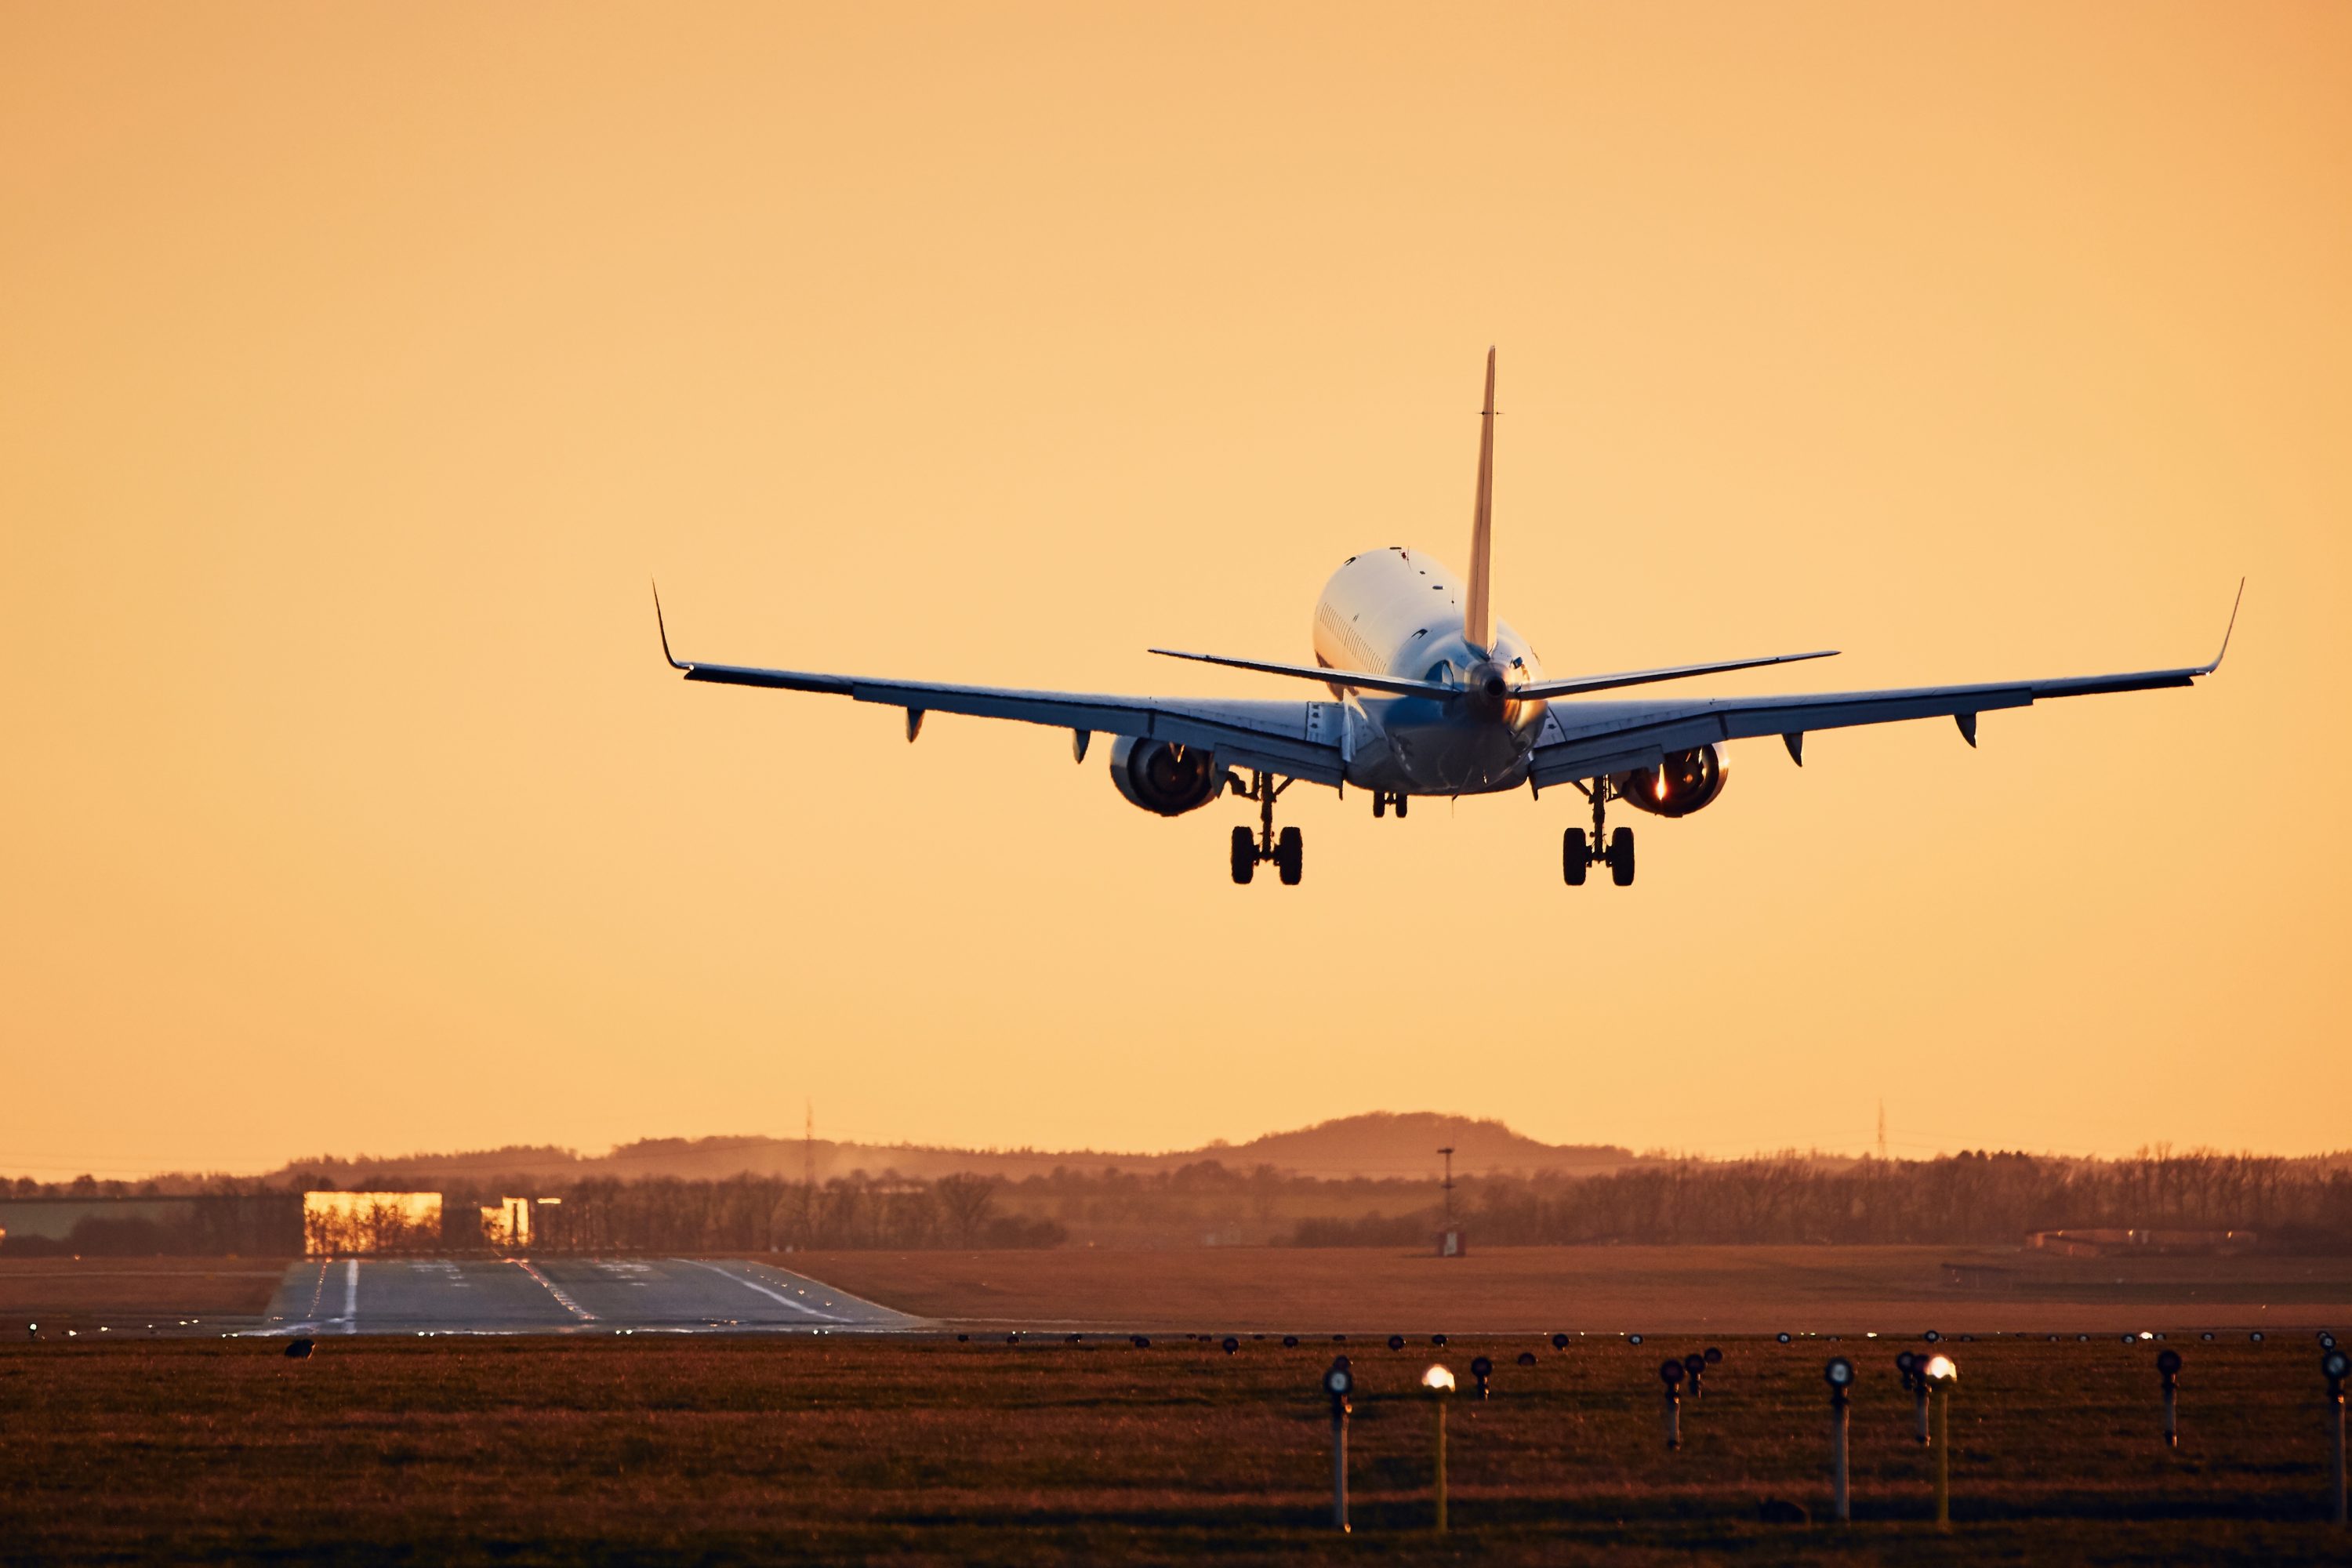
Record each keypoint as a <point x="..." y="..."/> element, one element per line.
<point x="1478" y="619"/>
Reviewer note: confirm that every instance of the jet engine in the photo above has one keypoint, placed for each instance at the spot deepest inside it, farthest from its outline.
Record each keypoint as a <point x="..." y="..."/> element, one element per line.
<point x="1165" y="778"/>
<point x="1684" y="783"/>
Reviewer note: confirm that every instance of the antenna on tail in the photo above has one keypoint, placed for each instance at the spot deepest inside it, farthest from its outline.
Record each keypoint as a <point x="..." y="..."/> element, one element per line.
<point x="1478" y="619"/>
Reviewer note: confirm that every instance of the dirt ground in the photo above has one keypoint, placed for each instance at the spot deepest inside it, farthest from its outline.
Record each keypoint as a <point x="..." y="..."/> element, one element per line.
<point x="1599" y="1289"/>
<point x="928" y="1451"/>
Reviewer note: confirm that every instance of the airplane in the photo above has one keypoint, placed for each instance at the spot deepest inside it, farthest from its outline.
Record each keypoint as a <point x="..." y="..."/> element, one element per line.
<point x="1432" y="695"/>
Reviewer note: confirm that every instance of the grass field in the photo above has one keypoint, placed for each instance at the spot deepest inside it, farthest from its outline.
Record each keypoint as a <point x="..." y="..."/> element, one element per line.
<point x="1611" y="1289"/>
<point x="126" y="1288"/>
<point x="930" y="1451"/>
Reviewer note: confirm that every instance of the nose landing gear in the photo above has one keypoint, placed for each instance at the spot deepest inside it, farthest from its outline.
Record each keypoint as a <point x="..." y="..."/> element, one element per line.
<point x="1579" y="854"/>
<point x="1286" y="850"/>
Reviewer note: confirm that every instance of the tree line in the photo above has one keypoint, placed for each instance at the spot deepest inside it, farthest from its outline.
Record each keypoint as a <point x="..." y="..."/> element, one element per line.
<point x="1969" y="1198"/>
<point x="1981" y="1198"/>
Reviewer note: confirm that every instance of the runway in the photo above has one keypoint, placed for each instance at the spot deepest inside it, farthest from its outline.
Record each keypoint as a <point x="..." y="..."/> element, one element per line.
<point x="565" y="1296"/>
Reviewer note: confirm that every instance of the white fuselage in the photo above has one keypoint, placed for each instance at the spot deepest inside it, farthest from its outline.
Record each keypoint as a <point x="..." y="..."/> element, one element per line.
<point x="1398" y="612"/>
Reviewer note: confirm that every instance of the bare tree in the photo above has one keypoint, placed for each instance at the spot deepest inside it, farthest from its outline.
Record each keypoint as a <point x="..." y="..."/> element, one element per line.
<point x="965" y="1202"/>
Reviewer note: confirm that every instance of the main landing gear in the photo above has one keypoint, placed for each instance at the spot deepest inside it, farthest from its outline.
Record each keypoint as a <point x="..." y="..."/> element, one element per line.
<point x="1577" y="855"/>
<point x="1286" y="850"/>
<point x="1384" y="799"/>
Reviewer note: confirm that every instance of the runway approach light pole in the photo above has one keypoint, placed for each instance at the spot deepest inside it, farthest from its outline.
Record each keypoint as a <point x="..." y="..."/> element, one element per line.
<point x="1339" y="1383"/>
<point x="2167" y="1368"/>
<point x="2333" y="1365"/>
<point x="1914" y="1384"/>
<point x="1840" y="1373"/>
<point x="1440" y="1384"/>
<point x="1939" y="1376"/>
<point x="1671" y="1373"/>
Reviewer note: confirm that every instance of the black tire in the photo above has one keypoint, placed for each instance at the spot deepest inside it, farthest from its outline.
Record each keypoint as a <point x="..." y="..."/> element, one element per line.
<point x="1621" y="857"/>
<point x="1400" y="805"/>
<point x="1290" y="856"/>
<point x="1379" y="805"/>
<point x="1575" y="858"/>
<point x="1245" y="856"/>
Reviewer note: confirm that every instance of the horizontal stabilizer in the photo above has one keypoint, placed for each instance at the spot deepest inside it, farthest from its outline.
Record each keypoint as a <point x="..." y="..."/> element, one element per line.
<point x="1584" y="683"/>
<point x="1398" y="686"/>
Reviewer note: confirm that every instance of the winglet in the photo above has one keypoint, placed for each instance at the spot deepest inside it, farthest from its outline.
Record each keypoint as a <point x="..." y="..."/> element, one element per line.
<point x="2228" y="629"/>
<point x="1478" y="617"/>
<point x="663" y="629"/>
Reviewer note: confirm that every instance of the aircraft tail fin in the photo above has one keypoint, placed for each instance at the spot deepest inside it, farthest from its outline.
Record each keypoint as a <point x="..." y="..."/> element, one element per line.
<point x="1478" y="618"/>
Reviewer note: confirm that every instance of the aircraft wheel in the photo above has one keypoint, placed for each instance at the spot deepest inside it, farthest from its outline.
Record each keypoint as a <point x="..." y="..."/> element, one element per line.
<point x="1290" y="856"/>
<point x="1379" y="805"/>
<point x="1245" y="856"/>
<point x="1574" y="857"/>
<point x="1621" y="857"/>
<point x="1400" y="803"/>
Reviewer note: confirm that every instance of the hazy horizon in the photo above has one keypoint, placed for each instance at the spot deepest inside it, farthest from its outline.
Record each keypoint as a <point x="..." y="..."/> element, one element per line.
<point x="1898" y="1148"/>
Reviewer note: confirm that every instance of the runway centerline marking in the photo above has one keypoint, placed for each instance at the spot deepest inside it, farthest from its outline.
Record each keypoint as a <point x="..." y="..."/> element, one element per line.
<point x="763" y="1289"/>
<point x="566" y="1302"/>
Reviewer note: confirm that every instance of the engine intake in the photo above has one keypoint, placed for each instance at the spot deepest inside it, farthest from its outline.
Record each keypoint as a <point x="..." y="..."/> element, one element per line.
<point x="1168" y="779"/>
<point x="1684" y="783"/>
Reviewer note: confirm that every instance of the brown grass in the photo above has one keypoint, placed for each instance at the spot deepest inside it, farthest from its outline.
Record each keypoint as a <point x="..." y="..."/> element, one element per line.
<point x="125" y="1287"/>
<point x="1717" y="1289"/>
<point x="933" y="1452"/>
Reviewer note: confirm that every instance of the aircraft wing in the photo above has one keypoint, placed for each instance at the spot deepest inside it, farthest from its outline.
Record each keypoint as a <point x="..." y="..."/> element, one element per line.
<point x="1296" y="740"/>
<point x="1592" y="740"/>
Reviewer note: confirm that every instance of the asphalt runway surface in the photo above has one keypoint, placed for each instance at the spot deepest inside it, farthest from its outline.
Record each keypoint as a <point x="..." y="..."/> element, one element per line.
<point x="565" y="1296"/>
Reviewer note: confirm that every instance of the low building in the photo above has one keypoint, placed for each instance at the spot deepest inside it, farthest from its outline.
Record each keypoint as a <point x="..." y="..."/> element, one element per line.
<point x="2113" y="1243"/>
<point x="342" y="1225"/>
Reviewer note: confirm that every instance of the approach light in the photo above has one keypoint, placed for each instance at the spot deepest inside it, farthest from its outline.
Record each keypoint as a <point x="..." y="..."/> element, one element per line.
<point x="1783" y="1338"/>
<point x="1931" y="1336"/>
<point x="1840" y="1373"/>
<point x="2327" y="1342"/>
<point x="2334" y="1366"/>
<point x="1290" y="1342"/>
<point x="1481" y="1369"/>
<point x="1232" y="1344"/>
<point x="1437" y="1380"/>
<point x="2167" y="1363"/>
<point x="1339" y="1383"/>
<point x="1143" y="1341"/>
<point x="1713" y="1357"/>
<point x="1940" y="1370"/>
<point x="2256" y="1336"/>
<point x="1527" y="1358"/>
<point x="1396" y="1341"/>
<point x="1437" y="1340"/>
<point x="1632" y="1339"/>
<point x="1671" y="1372"/>
<point x="1559" y="1342"/>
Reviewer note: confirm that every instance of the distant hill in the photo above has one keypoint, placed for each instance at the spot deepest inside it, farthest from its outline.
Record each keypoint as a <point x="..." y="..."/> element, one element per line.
<point x="1379" y="1145"/>
<point x="1389" y="1144"/>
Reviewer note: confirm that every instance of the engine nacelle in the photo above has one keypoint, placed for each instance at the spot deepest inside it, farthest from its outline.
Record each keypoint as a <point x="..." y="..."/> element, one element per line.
<point x="1168" y="779"/>
<point x="1681" y="784"/>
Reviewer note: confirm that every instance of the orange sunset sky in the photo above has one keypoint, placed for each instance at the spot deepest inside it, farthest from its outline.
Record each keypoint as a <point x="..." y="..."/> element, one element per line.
<point x="360" y="362"/>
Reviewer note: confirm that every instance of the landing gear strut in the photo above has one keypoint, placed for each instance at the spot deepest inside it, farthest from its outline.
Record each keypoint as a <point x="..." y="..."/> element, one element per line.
<point x="1577" y="854"/>
<point x="1384" y="799"/>
<point x="1286" y="850"/>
